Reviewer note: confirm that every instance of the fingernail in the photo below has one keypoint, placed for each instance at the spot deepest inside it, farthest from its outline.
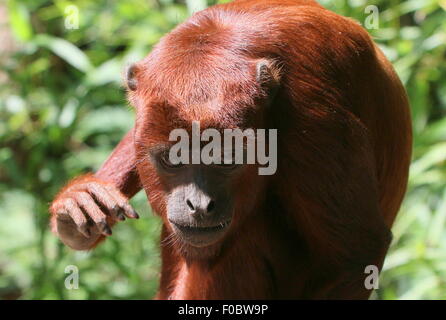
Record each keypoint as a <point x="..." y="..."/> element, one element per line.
<point x="120" y="214"/>
<point x="135" y="214"/>
<point x="107" y="230"/>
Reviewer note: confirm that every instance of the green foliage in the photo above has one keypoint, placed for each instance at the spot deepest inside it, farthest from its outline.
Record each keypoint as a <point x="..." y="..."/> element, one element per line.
<point x="62" y="110"/>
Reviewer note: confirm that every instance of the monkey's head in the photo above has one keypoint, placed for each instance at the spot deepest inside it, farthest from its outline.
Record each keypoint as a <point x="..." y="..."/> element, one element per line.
<point x="201" y="202"/>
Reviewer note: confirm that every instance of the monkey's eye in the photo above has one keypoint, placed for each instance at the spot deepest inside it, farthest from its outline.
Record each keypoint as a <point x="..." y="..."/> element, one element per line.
<point x="164" y="159"/>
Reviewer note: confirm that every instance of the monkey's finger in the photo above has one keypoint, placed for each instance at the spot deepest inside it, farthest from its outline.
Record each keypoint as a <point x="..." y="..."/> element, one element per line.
<point x="67" y="209"/>
<point x="102" y="195"/>
<point x="122" y="203"/>
<point x="129" y="211"/>
<point x="86" y="201"/>
<point x="77" y="216"/>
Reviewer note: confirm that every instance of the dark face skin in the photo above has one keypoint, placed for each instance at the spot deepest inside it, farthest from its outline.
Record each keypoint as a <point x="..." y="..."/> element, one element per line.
<point x="198" y="202"/>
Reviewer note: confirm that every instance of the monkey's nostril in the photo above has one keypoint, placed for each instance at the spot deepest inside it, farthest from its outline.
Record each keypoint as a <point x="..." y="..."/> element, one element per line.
<point x="190" y="205"/>
<point x="211" y="206"/>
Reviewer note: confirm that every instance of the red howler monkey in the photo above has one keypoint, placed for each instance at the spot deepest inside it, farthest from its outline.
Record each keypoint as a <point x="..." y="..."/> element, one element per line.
<point x="344" y="147"/>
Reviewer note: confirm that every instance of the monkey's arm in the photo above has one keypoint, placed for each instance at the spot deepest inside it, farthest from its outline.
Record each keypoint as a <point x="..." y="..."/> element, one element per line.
<point x="120" y="168"/>
<point x="84" y="211"/>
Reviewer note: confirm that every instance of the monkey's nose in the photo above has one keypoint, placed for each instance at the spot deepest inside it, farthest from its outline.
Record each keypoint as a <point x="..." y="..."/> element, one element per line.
<point x="200" y="205"/>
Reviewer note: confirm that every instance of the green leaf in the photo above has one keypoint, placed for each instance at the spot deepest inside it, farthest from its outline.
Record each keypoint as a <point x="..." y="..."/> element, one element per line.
<point x="195" y="5"/>
<point x="65" y="50"/>
<point x="109" y="71"/>
<point x="19" y="20"/>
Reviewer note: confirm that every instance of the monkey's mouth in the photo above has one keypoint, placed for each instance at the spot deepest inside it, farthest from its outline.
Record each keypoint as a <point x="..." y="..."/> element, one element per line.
<point x="201" y="236"/>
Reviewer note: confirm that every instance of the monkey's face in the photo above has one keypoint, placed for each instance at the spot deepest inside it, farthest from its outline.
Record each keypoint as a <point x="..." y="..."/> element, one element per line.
<point x="199" y="204"/>
<point x="202" y="203"/>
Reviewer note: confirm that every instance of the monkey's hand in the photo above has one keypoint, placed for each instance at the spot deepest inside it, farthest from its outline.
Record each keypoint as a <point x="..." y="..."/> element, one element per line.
<point x="83" y="213"/>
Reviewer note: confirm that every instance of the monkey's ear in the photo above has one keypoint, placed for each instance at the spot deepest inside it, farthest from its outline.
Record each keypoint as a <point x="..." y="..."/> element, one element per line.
<point x="268" y="74"/>
<point x="130" y="76"/>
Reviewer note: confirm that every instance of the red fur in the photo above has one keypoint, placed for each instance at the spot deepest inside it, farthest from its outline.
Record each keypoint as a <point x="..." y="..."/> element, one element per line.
<point x="344" y="146"/>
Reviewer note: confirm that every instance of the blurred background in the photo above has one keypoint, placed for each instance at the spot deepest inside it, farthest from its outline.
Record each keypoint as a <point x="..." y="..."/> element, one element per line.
<point x="63" y="109"/>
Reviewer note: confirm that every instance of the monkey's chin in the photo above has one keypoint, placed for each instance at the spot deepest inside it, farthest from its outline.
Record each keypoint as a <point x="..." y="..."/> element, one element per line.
<point x="200" y="236"/>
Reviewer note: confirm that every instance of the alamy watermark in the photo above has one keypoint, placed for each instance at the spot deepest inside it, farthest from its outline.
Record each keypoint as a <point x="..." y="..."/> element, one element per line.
<point x="372" y="280"/>
<point x="372" y="20"/>
<point x="72" y="280"/>
<point x="71" y="21"/>
<point x="234" y="146"/>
